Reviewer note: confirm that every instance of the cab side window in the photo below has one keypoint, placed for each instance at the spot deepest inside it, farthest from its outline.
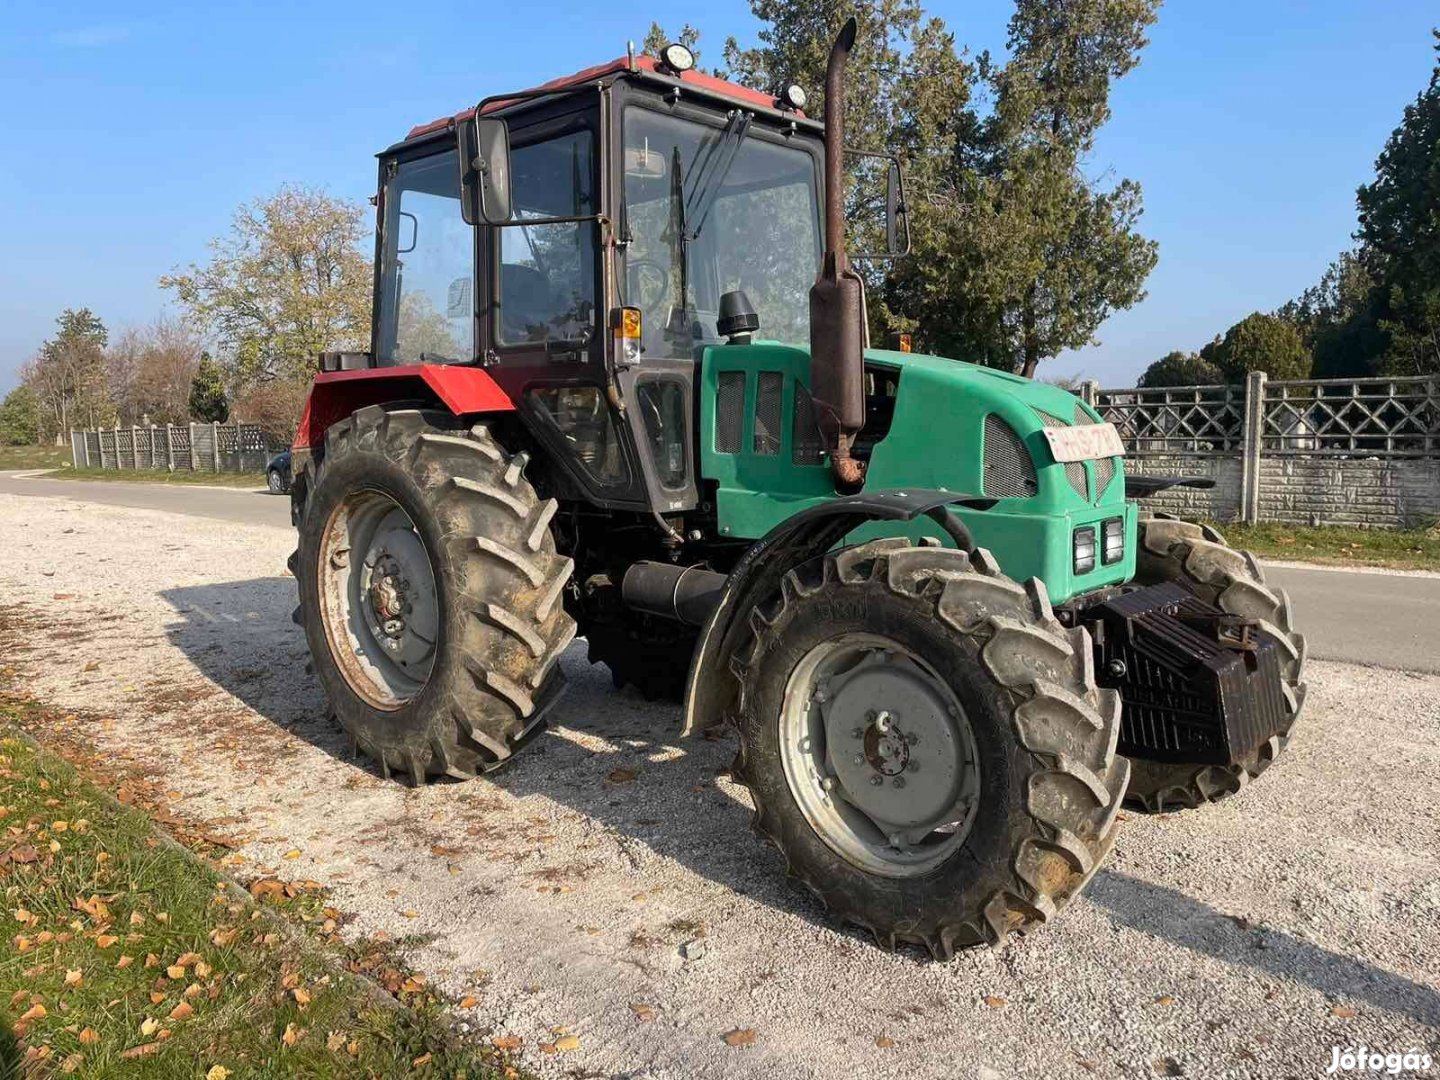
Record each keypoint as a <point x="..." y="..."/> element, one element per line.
<point x="547" y="271"/>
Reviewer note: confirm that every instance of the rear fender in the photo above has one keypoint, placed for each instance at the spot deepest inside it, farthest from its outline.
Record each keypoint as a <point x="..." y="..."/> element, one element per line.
<point x="334" y="395"/>
<point x="712" y="694"/>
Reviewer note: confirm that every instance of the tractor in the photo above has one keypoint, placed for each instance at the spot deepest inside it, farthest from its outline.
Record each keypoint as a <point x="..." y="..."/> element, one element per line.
<point x="621" y="386"/>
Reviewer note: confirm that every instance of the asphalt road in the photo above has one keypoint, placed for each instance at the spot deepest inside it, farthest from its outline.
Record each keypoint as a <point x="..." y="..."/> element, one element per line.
<point x="1388" y="620"/>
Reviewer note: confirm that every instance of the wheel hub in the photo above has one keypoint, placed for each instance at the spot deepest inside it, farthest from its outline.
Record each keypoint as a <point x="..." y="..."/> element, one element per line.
<point x="879" y="755"/>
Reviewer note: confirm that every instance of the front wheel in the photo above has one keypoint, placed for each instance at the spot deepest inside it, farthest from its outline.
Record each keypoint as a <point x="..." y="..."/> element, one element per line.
<point x="1198" y="557"/>
<point x="274" y="482"/>
<point x="926" y="744"/>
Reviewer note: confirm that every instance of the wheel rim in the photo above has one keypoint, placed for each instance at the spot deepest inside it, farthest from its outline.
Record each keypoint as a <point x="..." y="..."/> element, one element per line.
<point x="274" y="481"/>
<point x="377" y="599"/>
<point x="879" y="755"/>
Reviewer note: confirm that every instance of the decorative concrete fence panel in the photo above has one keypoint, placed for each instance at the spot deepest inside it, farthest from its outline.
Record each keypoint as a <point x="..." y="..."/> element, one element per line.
<point x="235" y="448"/>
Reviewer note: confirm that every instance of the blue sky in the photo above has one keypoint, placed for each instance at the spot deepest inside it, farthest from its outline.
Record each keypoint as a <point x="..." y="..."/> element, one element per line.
<point x="133" y="131"/>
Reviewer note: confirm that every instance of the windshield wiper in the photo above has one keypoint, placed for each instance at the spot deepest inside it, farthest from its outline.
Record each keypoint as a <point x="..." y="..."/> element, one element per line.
<point x="708" y="176"/>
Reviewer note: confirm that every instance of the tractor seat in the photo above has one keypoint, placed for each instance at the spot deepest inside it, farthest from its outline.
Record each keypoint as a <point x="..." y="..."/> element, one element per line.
<point x="526" y="306"/>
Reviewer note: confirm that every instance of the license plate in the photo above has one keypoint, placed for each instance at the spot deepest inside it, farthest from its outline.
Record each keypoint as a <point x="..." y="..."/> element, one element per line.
<point x="1085" y="442"/>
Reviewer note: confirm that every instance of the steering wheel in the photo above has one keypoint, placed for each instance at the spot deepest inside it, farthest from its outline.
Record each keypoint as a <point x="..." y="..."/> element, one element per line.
<point x="646" y="282"/>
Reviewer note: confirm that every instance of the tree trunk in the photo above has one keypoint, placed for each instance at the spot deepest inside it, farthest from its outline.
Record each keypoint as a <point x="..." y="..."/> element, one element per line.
<point x="1029" y="345"/>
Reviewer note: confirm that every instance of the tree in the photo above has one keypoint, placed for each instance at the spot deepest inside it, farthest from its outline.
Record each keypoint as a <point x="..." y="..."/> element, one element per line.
<point x="1181" y="369"/>
<point x="207" y="392"/>
<point x="1017" y="253"/>
<point x="1336" y="320"/>
<point x="20" y="418"/>
<point x="67" y="375"/>
<point x="1259" y="342"/>
<point x="287" y="283"/>
<point x="275" y="405"/>
<point x="150" y="370"/>
<point x="1400" y="235"/>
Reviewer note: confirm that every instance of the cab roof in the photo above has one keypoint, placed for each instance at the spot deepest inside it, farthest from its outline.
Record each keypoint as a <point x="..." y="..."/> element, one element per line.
<point x="698" y="79"/>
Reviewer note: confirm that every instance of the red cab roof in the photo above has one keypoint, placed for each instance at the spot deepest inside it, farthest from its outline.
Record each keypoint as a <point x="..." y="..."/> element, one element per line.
<point x="697" y="79"/>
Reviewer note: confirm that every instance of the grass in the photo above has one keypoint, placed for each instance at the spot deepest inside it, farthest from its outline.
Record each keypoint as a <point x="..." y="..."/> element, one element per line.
<point x="128" y="955"/>
<point x="34" y="457"/>
<point x="161" y="476"/>
<point x="1401" y="549"/>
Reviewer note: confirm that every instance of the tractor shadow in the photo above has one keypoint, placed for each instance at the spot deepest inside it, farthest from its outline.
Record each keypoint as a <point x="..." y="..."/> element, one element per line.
<point x="618" y="760"/>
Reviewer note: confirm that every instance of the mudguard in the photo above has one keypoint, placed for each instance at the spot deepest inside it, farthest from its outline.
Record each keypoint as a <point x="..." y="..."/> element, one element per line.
<point x="711" y="694"/>
<point x="334" y="395"/>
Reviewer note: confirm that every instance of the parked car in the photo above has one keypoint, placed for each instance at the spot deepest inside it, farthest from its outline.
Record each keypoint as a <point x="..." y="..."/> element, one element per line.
<point x="277" y="473"/>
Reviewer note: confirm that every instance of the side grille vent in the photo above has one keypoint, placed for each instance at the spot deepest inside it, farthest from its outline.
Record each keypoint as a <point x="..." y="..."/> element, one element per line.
<point x="1104" y="473"/>
<point x="767" y="413"/>
<point x="1009" y="472"/>
<point x="805" y="432"/>
<point x="729" y="411"/>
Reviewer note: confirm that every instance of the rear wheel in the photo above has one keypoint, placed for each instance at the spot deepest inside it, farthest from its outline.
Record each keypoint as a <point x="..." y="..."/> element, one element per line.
<point x="274" y="482"/>
<point x="1198" y="557"/>
<point x="926" y="745"/>
<point x="430" y="592"/>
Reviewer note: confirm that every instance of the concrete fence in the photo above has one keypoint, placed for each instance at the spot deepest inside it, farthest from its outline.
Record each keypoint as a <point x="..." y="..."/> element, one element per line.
<point x="1362" y="452"/>
<point x="233" y="448"/>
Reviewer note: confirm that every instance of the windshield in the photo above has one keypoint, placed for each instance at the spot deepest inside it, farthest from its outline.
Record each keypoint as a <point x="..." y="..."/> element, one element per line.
<point x="751" y="226"/>
<point x="426" y="289"/>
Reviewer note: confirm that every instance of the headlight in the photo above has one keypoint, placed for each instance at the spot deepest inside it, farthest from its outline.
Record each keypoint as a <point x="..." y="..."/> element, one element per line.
<point x="1085" y="549"/>
<point x="1113" y="534"/>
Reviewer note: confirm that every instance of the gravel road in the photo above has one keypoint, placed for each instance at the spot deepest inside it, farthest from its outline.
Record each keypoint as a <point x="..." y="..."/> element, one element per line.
<point x="642" y="916"/>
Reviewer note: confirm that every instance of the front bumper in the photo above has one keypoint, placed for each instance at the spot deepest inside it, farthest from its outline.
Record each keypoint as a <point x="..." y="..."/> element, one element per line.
<point x="1197" y="685"/>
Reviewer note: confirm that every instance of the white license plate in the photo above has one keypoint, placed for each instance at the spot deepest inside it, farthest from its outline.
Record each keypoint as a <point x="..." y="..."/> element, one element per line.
<point x="1084" y="443"/>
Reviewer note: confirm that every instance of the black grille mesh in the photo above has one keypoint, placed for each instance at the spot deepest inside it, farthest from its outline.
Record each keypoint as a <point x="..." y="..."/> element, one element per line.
<point x="805" y="434"/>
<point x="1104" y="467"/>
<point x="729" y="411"/>
<point x="767" y="413"/>
<point x="1074" y="470"/>
<point x="1009" y="472"/>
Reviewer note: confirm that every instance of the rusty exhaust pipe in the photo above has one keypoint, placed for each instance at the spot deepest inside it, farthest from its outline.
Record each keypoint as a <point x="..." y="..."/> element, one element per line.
<point x="837" y="299"/>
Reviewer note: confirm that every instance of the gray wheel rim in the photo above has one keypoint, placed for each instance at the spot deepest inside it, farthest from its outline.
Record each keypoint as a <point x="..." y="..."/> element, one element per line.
<point x="273" y="481"/>
<point x="377" y="599"/>
<point x="879" y="755"/>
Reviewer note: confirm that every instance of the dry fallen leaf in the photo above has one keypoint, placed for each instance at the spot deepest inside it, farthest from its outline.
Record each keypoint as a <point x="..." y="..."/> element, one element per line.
<point x="1344" y="1012"/>
<point x="104" y="941"/>
<point x="222" y="936"/>
<point x="884" y="1042"/>
<point x="202" y="969"/>
<point x="468" y="1002"/>
<point x="292" y="1035"/>
<point x="621" y="776"/>
<point x="423" y="1059"/>
<point x="148" y="1026"/>
<point x="507" y="1042"/>
<point x="140" y="1051"/>
<point x="124" y="961"/>
<point x="740" y="1037"/>
<point x="293" y="853"/>
<point x="1165" y="999"/>
<point x="183" y="1011"/>
<point x="567" y="1042"/>
<point x="301" y="996"/>
<point x="409" y="913"/>
<point x="175" y="971"/>
<point x="89" y="1037"/>
<point x="74" y="978"/>
<point x="217" y="1072"/>
<point x="35" y="1012"/>
<point x="643" y="1013"/>
<point x="995" y="1002"/>
<point x="334" y="1041"/>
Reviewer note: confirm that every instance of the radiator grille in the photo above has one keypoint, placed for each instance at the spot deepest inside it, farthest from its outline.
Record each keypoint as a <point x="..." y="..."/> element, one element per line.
<point x="1074" y="470"/>
<point x="805" y="433"/>
<point x="729" y="411"/>
<point x="1009" y="472"/>
<point x="1104" y="473"/>
<point x="767" y="413"/>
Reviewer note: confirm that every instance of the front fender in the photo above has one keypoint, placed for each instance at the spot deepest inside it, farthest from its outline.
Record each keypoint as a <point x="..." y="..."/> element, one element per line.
<point x="712" y="695"/>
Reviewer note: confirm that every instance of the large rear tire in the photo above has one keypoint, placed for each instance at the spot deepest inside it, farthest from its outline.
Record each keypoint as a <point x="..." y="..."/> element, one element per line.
<point x="926" y="745"/>
<point x="1198" y="557"/>
<point x="430" y="592"/>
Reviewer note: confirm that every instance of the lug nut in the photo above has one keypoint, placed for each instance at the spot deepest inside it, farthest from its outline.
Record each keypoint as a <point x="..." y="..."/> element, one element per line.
<point x="876" y="781"/>
<point x="899" y="781"/>
<point x="828" y="783"/>
<point x="859" y="759"/>
<point x="914" y="766"/>
<point x="1116" y="668"/>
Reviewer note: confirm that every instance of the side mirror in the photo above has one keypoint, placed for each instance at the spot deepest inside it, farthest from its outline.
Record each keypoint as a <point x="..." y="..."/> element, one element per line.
<point x="897" y="215"/>
<point x="484" y="145"/>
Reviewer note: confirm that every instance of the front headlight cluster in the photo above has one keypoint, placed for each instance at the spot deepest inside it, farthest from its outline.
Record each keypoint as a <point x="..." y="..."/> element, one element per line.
<point x="1111" y="546"/>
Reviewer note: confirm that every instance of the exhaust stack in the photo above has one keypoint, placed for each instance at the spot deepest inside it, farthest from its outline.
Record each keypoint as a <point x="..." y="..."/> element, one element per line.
<point x="837" y="299"/>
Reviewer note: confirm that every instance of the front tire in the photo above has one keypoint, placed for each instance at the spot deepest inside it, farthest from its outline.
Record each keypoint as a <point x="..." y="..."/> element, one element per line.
<point x="274" y="483"/>
<point x="430" y="592"/>
<point x="955" y="668"/>
<point x="1198" y="557"/>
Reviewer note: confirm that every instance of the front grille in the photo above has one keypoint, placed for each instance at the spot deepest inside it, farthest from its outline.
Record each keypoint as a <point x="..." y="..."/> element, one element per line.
<point x="1009" y="471"/>
<point x="1104" y="473"/>
<point x="729" y="411"/>
<point x="1074" y="470"/>
<point x="805" y="442"/>
<point x="767" y="413"/>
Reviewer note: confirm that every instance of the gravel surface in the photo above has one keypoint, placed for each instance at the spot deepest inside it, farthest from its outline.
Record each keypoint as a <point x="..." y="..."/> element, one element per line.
<point x="607" y="882"/>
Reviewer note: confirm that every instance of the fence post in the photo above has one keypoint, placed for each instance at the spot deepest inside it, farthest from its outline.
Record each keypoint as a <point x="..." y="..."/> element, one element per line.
<point x="194" y="465"/>
<point x="1254" y="442"/>
<point x="117" y="446"/>
<point x="1090" y="392"/>
<point x="215" y="444"/>
<point x="74" y="450"/>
